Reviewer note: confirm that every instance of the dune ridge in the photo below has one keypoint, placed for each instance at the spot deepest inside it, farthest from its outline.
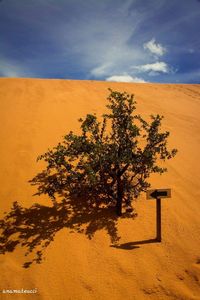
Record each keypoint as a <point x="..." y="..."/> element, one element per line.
<point x="35" y="114"/>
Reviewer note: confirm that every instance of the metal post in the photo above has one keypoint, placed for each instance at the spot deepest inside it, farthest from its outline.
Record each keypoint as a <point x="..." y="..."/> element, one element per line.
<point x="158" y="219"/>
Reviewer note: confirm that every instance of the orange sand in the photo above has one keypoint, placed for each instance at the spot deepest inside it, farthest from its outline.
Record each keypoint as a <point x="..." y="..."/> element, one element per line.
<point x="35" y="114"/>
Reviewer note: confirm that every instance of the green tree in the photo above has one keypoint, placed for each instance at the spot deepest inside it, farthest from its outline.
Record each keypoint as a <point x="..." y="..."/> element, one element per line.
<point x="110" y="162"/>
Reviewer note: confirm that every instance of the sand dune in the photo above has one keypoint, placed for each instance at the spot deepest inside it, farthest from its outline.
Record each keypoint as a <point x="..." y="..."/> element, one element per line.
<point x="35" y="114"/>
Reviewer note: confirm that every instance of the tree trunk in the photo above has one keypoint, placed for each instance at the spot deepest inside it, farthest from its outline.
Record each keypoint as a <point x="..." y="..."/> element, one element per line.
<point x="119" y="196"/>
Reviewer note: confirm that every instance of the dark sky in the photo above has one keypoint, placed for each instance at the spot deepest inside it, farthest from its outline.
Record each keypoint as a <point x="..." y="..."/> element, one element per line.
<point x="120" y="40"/>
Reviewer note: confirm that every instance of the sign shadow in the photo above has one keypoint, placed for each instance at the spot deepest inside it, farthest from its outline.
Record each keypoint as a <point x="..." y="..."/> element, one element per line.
<point x="134" y="245"/>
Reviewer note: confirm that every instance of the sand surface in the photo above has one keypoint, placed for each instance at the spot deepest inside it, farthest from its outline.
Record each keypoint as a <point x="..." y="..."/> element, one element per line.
<point x="35" y="114"/>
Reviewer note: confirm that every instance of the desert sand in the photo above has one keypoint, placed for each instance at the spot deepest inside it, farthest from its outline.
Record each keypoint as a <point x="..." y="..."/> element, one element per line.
<point x="35" y="114"/>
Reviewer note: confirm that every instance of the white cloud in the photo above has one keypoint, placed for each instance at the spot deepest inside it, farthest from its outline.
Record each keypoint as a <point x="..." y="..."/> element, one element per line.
<point x="9" y="72"/>
<point x="191" y="50"/>
<point x="154" y="48"/>
<point x="11" y="69"/>
<point x="97" y="42"/>
<point x="157" y="67"/>
<point x="125" y="78"/>
<point x="101" y="70"/>
<point x="102" y="45"/>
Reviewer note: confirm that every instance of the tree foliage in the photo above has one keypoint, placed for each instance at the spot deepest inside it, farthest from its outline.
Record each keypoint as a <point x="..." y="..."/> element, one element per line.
<point x="109" y="162"/>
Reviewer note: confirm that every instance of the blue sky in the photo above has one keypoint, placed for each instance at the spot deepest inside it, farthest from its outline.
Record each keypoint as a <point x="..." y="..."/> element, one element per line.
<point x="113" y="40"/>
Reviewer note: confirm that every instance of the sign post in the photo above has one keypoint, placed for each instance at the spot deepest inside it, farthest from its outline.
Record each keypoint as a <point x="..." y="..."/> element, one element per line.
<point x="158" y="220"/>
<point x="158" y="194"/>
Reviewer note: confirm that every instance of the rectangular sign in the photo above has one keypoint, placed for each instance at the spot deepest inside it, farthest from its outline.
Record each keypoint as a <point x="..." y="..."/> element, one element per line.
<point x="159" y="193"/>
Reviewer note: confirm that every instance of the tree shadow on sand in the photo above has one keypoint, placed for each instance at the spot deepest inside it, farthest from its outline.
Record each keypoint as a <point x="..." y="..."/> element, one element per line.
<point x="34" y="228"/>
